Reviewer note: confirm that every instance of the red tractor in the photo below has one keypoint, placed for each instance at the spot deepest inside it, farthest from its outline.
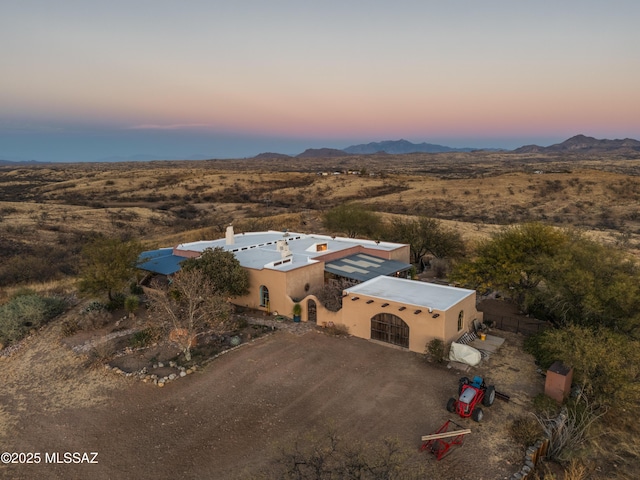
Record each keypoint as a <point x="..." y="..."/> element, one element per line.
<point x="470" y="395"/>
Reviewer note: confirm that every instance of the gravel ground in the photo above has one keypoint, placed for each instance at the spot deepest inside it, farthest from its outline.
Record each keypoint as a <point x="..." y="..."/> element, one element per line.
<point x="232" y="419"/>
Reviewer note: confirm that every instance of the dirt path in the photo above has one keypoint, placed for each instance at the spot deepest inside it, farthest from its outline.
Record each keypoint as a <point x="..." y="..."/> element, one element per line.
<point x="231" y="419"/>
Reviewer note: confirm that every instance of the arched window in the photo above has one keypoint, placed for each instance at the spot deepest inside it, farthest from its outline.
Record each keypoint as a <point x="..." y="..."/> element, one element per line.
<point x="460" y="320"/>
<point x="390" y="328"/>
<point x="264" y="296"/>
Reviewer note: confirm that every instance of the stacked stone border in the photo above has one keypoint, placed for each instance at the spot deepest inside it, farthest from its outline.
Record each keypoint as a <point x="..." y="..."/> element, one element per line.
<point x="160" y="381"/>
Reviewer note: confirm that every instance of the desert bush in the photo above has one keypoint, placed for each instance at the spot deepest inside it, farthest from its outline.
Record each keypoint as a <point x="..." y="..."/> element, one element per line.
<point x="99" y="354"/>
<point x="544" y="405"/>
<point x="68" y="328"/>
<point x="94" y="319"/>
<point x="330" y="295"/>
<point x="435" y="350"/>
<point x="142" y="338"/>
<point x="525" y="430"/>
<point x="26" y="312"/>
<point x="131" y="303"/>
<point x="94" y="306"/>
<point x="116" y="302"/>
<point x="569" y="430"/>
<point x="331" y="456"/>
<point x="336" y="330"/>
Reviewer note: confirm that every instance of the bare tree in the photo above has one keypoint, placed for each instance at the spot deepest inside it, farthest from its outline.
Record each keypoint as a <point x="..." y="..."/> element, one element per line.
<point x="570" y="428"/>
<point x="190" y="307"/>
<point x="330" y="456"/>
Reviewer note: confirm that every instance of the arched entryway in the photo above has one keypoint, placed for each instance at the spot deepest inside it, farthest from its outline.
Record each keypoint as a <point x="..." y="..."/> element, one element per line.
<point x="390" y="328"/>
<point x="312" y="312"/>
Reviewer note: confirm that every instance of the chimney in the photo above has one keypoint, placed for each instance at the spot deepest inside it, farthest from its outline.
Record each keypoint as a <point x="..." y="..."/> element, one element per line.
<point x="283" y="247"/>
<point x="230" y="239"/>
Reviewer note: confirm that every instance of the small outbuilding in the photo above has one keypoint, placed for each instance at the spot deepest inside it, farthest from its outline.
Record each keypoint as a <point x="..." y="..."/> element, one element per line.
<point x="408" y="313"/>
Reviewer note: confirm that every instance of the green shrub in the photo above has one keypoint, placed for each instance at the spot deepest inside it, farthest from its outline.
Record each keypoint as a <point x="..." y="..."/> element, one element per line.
<point x="435" y="350"/>
<point x="116" y="302"/>
<point x="545" y="405"/>
<point x="136" y="289"/>
<point x="142" y="338"/>
<point x="94" y="306"/>
<point x="131" y="303"/>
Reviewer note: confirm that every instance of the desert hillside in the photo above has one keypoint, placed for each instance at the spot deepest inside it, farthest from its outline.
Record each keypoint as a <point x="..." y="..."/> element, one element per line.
<point x="50" y="210"/>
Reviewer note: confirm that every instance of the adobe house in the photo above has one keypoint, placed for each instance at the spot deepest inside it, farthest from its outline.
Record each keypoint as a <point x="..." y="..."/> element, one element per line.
<point x="285" y="268"/>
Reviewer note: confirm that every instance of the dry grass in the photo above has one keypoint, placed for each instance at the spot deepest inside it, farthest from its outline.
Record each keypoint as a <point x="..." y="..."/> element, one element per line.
<point x="45" y="373"/>
<point x="55" y="209"/>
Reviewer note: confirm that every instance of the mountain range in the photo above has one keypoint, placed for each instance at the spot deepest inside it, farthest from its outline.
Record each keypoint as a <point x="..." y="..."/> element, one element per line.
<point x="579" y="144"/>
<point x="584" y="144"/>
<point x="402" y="146"/>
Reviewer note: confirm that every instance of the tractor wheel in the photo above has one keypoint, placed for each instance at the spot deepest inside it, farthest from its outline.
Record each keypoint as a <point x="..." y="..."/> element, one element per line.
<point x="451" y="405"/>
<point x="461" y="382"/>
<point x="489" y="396"/>
<point x="477" y="414"/>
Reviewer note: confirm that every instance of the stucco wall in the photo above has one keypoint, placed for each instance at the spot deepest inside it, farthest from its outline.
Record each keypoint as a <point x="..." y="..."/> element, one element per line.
<point x="401" y="254"/>
<point x="468" y="306"/>
<point x="305" y="279"/>
<point x="356" y="316"/>
<point x="283" y="286"/>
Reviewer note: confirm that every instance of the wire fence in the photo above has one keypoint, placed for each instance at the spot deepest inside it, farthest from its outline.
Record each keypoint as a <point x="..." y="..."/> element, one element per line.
<point x="523" y="325"/>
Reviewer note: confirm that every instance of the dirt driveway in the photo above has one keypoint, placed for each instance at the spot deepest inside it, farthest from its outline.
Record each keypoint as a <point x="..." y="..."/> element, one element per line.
<point x="230" y="420"/>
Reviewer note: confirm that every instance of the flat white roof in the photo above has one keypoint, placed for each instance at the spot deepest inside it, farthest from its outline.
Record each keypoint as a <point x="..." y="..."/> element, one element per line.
<point x="259" y="249"/>
<point x="411" y="292"/>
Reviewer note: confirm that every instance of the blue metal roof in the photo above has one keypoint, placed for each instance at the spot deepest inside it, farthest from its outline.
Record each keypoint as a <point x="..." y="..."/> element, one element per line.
<point x="362" y="267"/>
<point x="161" y="261"/>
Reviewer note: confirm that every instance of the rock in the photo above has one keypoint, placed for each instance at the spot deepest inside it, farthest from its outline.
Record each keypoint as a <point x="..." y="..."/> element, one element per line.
<point x="183" y="373"/>
<point x="189" y="371"/>
<point x="161" y="384"/>
<point x="172" y="376"/>
<point x="160" y="364"/>
<point x="155" y="365"/>
<point x="172" y="364"/>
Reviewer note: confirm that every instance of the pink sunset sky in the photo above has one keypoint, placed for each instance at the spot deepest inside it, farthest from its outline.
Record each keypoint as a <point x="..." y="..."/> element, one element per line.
<point x="82" y="81"/>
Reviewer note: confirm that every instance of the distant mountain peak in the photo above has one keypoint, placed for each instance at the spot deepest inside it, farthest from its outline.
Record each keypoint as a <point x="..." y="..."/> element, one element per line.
<point x="322" y="152"/>
<point x="401" y="146"/>
<point x="583" y="144"/>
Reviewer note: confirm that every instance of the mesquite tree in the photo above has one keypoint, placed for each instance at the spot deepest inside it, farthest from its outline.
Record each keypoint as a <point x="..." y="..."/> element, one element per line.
<point x="190" y="306"/>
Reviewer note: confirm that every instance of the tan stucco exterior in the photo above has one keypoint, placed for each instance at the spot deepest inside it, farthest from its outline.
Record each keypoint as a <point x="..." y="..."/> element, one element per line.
<point x="291" y="267"/>
<point x="283" y="287"/>
<point x="423" y="327"/>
